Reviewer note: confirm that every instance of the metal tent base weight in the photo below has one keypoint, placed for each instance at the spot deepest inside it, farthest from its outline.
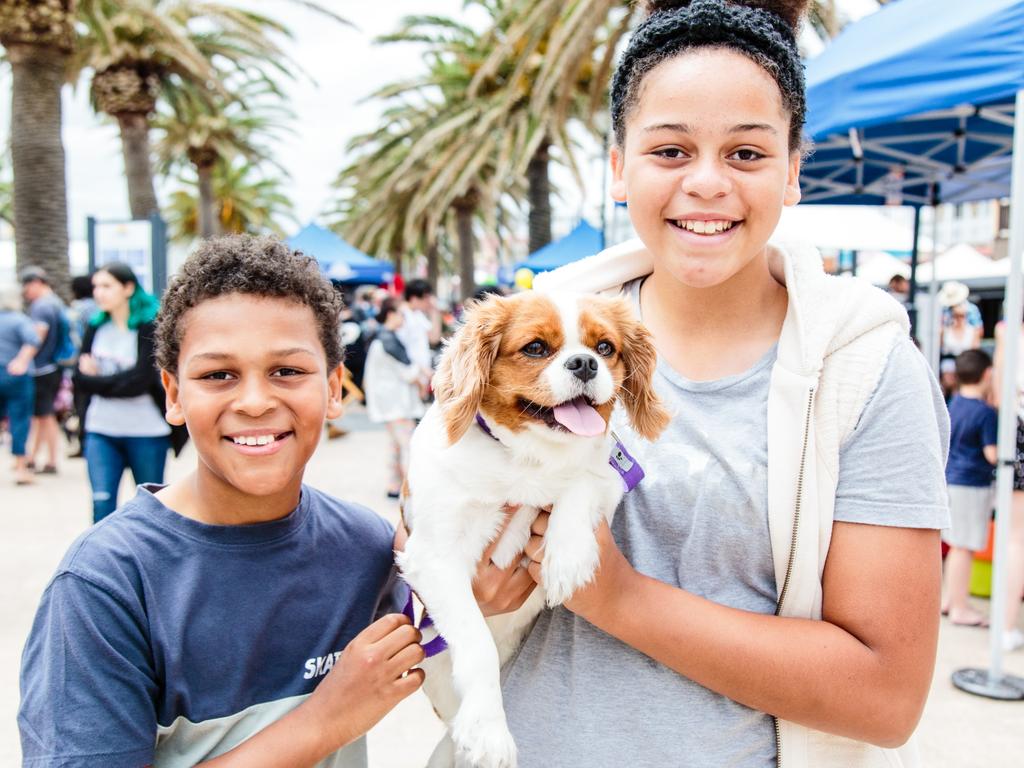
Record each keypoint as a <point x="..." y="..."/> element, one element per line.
<point x="981" y="682"/>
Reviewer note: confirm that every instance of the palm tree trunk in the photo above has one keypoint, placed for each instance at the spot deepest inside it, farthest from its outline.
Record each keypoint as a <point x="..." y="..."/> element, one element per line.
<point x="208" y="225"/>
<point x="138" y="168"/>
<point x="540" y="198"/>
<point x="433" y="266"/>
<point x="464" y="223"/>
<point x="37" y="153"/>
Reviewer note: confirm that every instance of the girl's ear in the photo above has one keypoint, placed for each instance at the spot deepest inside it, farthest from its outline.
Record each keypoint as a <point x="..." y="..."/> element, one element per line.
<point x="335" y="392"/>
<point x="465" y="368"/>
<point x="618" y="187"/>
<point x="792" y="195"/>
<point x="175" y="415"/>
<point x="646" y="412"/>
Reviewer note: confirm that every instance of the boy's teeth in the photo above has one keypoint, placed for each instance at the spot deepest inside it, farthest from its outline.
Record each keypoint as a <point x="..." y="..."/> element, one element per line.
<point x="253" y="440"/>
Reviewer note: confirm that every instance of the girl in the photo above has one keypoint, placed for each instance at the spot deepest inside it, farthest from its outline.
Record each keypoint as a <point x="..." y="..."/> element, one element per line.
<point x="769" y="594"/>
<point x="124" y="401"/>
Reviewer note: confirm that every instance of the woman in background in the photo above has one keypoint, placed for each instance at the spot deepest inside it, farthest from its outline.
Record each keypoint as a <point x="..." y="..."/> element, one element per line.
<point x="117" y="378"/>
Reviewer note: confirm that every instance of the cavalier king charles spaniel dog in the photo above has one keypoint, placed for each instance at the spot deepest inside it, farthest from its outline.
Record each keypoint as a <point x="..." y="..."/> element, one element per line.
<point x="524" y="395"/>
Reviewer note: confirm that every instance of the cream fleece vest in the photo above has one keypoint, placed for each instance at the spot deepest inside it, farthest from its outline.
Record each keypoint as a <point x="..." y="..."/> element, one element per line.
<point x="832" y="350"/>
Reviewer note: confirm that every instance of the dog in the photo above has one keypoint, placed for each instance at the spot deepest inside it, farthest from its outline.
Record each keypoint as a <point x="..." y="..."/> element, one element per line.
<point x="524" y="394"/>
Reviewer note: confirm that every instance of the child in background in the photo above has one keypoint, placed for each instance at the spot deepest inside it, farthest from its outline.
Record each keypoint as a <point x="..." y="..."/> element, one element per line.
<point x="972" y="458"/>
<point x="227" y="619"/>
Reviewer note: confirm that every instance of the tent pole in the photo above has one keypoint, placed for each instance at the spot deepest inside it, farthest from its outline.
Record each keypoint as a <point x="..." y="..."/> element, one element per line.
<point x="912" y="296"/>
<point x="992" y="683"/>
<point x="604" y="193"/>
<point x="935" y="321"/>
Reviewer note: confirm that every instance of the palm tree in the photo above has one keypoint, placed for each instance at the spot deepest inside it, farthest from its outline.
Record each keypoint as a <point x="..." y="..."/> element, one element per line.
<point x="37" y="36"/>
<point x="138" y="49"/>
<point x="245" y="201"/>
<point x="199" y="129"/>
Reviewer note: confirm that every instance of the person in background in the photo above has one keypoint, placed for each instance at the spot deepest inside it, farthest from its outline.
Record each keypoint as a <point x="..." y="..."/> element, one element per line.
<point x="899" y="289"/>
<point x="1013" y="638"/>
<point x="19" y="343"/>
<point x="392" y="394"/>
<point x="974" y="425"/>
<point x="83" y="307"/>
<point x="46" y="311"/>
<point x="421" y="329"/>
<point x="117" y="376"/>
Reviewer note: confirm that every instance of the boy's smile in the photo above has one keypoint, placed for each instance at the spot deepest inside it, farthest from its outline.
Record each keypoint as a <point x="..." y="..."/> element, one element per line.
<point x="254" y="391"/>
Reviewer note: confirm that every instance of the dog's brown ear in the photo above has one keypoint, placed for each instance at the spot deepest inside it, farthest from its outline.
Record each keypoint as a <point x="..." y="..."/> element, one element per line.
<point x="646" y="412"/>
<point x="465" y="366"/>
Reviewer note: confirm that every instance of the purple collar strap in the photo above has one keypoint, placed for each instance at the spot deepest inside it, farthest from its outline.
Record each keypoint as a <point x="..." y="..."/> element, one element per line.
<point x="621" y="461"/>
<point x="431" y="647"/>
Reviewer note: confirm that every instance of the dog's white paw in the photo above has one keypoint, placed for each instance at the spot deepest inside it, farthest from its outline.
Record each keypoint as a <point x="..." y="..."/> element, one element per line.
<point x="568" y="571"/>
<point x="482" y="742"/>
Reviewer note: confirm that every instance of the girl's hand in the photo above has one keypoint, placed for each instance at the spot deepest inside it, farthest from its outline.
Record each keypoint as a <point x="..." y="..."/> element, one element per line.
<point x="501" y="590"/>
<point x="371" y="676"/>
<point x="87" y="365"/>
<point x="610" y="580"/>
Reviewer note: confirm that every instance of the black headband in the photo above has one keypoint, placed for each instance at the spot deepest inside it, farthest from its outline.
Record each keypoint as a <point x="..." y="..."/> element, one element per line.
<point x="755" y="31"/>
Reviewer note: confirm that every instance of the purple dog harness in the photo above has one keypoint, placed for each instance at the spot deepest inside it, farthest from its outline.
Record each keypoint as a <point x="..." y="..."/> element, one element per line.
<point x="629" y="470"/>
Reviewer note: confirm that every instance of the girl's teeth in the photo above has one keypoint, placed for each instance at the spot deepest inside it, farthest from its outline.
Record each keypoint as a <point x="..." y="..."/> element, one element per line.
<point x="701" y="227"/>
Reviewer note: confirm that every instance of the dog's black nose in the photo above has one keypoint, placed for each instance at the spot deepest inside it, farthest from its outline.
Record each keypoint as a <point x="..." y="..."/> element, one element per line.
<point x="583" y="367"/>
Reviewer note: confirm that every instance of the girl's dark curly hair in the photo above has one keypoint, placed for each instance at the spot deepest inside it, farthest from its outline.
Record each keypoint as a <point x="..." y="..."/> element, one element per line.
<point x="763" y="30"/>
<point x="254" y="266"/>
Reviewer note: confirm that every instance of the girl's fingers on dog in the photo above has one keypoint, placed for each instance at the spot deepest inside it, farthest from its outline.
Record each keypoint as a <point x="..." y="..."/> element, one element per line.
<point x="540" y="525"/>
<point x="534" y="548"/>
<point x="508" y="510"/>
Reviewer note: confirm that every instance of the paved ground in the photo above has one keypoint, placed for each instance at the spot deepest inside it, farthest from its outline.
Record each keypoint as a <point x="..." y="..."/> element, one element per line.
<point x="957" y="731"/>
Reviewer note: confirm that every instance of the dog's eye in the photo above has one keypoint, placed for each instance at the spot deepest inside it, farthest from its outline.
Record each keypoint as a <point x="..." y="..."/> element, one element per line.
<point x="536" y="348"/>
<point x="605" y="348"/>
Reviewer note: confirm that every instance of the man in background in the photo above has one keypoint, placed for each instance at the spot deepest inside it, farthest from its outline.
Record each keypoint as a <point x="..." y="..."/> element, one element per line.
<point x="46" y="311"/>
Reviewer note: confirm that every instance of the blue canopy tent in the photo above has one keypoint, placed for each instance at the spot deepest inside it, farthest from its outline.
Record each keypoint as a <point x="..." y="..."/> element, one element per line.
<point x="583" y="241"/>
<point x="918" y="104"/>
<point x="341" y="262"/>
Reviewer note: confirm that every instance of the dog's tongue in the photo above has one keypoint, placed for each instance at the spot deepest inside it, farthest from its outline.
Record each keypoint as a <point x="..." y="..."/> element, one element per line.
<point x="580" y="418"/>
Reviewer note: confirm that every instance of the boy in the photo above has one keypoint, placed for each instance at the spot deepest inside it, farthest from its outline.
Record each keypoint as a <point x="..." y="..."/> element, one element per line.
<point x="223" y="618"/>
<point x="972" y="458"/>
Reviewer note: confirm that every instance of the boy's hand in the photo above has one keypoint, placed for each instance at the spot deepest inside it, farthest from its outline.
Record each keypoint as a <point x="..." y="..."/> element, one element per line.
<point x="87" y="365"/>
<point x="372" y="675"/>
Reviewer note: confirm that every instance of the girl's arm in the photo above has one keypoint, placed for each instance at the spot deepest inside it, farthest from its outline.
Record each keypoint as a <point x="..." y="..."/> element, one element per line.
<point x="138" y="380"/>
<point x="862" y="672"/>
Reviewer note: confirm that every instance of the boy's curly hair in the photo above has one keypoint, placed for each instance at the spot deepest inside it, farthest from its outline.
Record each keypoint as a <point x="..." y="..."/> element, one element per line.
<point x="248" y="265"/>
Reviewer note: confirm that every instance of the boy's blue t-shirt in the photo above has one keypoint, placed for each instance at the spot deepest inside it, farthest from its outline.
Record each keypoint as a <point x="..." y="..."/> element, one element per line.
<point x="973" y="425"/>
<point x="164" y="641"/>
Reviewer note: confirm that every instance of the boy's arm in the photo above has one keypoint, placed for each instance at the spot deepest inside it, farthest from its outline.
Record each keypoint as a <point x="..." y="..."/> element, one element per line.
<point x="88" y="689"/>
<point x="373" y="674"/>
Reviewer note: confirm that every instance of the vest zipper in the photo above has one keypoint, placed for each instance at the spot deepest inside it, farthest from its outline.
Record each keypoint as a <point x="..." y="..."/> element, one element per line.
<point x="792" y="544"/>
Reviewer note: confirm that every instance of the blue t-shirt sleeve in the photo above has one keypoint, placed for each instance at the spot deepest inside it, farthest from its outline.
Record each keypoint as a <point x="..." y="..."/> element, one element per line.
<point x="891" y="468"/>
<point x="88" y="688"/>
<point x="27" y="333"/>
<point x="990" y="427"/>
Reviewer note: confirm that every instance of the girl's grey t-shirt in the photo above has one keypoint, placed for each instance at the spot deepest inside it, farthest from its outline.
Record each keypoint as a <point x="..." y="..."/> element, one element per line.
<point x="115" y="350"/>
<point x="699" y="521"/>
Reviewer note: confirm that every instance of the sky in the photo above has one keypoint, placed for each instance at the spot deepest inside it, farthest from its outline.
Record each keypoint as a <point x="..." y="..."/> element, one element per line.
<point x="345" y="67"/>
